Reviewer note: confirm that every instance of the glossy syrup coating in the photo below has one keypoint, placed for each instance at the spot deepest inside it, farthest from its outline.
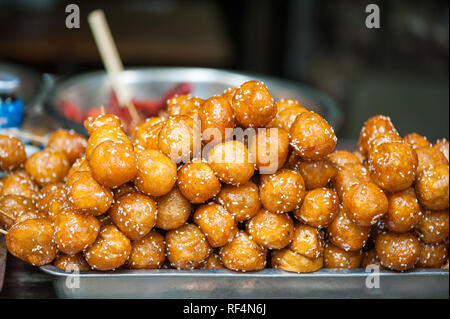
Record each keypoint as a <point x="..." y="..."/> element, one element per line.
<point x="213" y="262"/>
<point x="349" y="175"/>
<point x="271" y="230"/>
<point x="432" y="255"/>
<point x="124" y="189"/>
<point x="12" y="153"/>
<point x="287" y="112"/>
<point x="173" y="210"/>
<point x="342" y="158"/>
<point x="376" y="125"/>
<point x="157" y="174"/>
<point x="289" y="260"/>
<point x="307" y="241"/>
<point x="147" y="252"/>
<point x="176" y="138"/>
<point x="442" y="146"/>
<point x="243" y="254"/>
<point x="74" y="232"/>
<point x="319" y="207"/>
<point x="71" y="263"/>
<point x="379" y="139"/>
<point x="393" y="166"/>
<point x="146" y="133"/>
<point x="197" y="182"/>
<point x="432" y="187"/>
<point x="231" y="162"/>
<point x="229" y="93"/>
<point x="46" y="167"/>
<point x="429" y="157"/>
<point x="72" y="144"/>
<point x="183" y="104"/>
<point x="416" y="140"/>
<point x="216" y="119"/>
<point x="241" y="201"/>
<point x="216" y="223"/>
<point x="337" y="258"/>
<point x="397" y="251"/>
<point x="346" y="234"/>
<point x="104" y="134"/>
<point x="315" y="173"/>
<point x="86" y="195"/>
<point x="253" y="105"/>
<point x="52" y="200"/>
<point x="283" y="191"/>
<point x="433" y="226"/>
<point x="32" y="241"/>
<point x="403" y="211"/>
<point x="110" y="251"/>
<point x="365" y="204"/>
<point x="370" y="258"/>
<point x="15" y="206"/>
<point x="187" y="247"/>
<point x="80" y="164"/>
<point x="19" y="183"/>
<point x="94" y="122"/>
<point x="134" y="214"/>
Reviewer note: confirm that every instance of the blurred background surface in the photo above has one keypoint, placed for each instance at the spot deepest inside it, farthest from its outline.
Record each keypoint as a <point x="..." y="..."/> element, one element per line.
<point x="400" y="69"/>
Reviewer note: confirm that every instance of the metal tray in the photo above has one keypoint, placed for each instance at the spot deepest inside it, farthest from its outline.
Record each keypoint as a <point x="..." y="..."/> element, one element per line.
<point x="3" y="253"/>
<point x="269" y="283"/>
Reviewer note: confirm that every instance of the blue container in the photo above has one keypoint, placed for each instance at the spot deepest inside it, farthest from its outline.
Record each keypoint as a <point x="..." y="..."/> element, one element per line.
<point x="11" y="107"/>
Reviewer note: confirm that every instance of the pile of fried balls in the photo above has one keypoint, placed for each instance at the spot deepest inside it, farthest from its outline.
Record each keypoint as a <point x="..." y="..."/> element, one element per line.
<point x="128" y="198"/>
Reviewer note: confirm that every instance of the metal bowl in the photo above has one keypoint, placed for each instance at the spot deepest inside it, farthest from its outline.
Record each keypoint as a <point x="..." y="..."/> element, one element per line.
<point x="92" y="89"/>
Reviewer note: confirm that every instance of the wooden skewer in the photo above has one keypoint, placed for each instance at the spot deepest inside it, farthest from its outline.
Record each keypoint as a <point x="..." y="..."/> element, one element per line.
<point x="111" y="59"/>
<point x="7" y="215"/>
<point x="4" y="232"/>
<point x="29" y="136"/>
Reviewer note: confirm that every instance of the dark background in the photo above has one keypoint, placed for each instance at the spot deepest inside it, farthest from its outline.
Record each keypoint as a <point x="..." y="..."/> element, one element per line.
<point x="400" y="69"/>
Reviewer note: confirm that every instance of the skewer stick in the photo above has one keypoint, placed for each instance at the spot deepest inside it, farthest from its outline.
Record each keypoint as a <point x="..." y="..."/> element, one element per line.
<point x="111" y="59"/>
<point x="4" y="232"/>
<point x="29" y="136"/>
<point x="7" y="215"/>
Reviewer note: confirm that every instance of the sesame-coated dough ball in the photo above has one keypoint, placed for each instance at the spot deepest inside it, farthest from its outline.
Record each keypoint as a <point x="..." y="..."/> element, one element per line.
<point x="376" y="125"/>
<point x="146" y="133"/>
<point x="124" y="189"/>
<point x="15" y="206"/>
<point x="240" y="201"/>
<point x="432" y="255"/>
<point x="231" y="162"/>
<point x="442" y="146"/>
<point x="71" y="263"/>
<point x="403" y="211"/>
<point x="19" y="183"/>
<point x="176" y="138"/>
<point x="271" y="230"/>
<point x="433" y="227"/>
<point x="253" y="105"/>
<point x="80" y="165"/>
<point x="287" y="112"/>
<point x="106" y="133"/>
<point x="134" y="214"/>
<point x="286" y="104"/>
<point x="94" y="122"/>
<point x="307" y="241"/>
<point x="361" y="157"/>
<point x="173" y="210"/>
<point x="47" y="167"/>
<point x="216" y="116"/>
<point x="74" y="232"/>
<point x="216" y="223"/>
<point x="110" y="251"/>
<point x="365" y="204"/>
<point x="432" y="187"/>
<point x="289" y="260"/>
<point x="349" y="175"/>
<point x="183" y="105"/>
<point x="337" y="258"/>
<point x="229" y="93"/>
<point x="377" y="140"/>
<point x="283" y="191"/>
<point x="429" y="157"/>
<point x="72" y="144"/>
<point x="342" y="158"/>
<point x="416" y="140"/>
<point x="32" y="241"/>
<point x="187" y="247"/>
<point x="315" y="173"/>
<point x="213" y="262"/>
<point x="319" y="207"/>
<point x="311" y="136"/>
<point x="157" y="174"/>
<point x="52" y="200"/>
<point x="148" y="252"/>
<point x="243" y="254"/>
<point x="12" y="153"/>
<point x="397" y="251"/>
<point x="197" y="182"/>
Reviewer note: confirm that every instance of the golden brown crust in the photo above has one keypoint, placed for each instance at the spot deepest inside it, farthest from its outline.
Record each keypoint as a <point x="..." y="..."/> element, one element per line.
<point x="173" y="210"/>
<point x="319" y="207"/>
<point x="147" y="252"/>
<point x="291" y="261"/>
<point x="241" y="201"/>
<point x="397" y="251"/>
<point x="197" y="182"/>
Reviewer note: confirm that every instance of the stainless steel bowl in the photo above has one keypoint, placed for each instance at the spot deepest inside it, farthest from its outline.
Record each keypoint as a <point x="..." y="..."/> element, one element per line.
<point x="92" y="89"/>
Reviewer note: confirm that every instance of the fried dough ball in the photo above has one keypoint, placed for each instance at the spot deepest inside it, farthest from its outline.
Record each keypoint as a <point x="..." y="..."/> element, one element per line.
<point x="86" y="195"/>
<point x="15" y="206"/>
<point x="243" y="254"/>
<point x="52" y="200"/>
<point x="287" y="112"/>
<point x="240" y="201"/>
<point x="253" y="105"/>
<point x="80" y="165"/>
<point x="71" y="263"/>
<point x="365" y="204"/>
<point x="176" y="138"/>
<point x="197" y="182"/>
<point x="319" y="207"/>
<point x="19" y="183"/>
<point x="147" y="252"/>
<point x="104" y="134"/>
<point x="94" y="122"/>
<point x="289" y="260"/>
<point x="307" y="241"/>
<point x="183" y="105"/>
<point x="393" y="166"/>
<point x="442" y="146"/>
<point x="216" y="116"/>
<point x="416" y="140"/>
<point x="72" y="144"/>
<point x="335" y="257"/>
<point x="370" y="258"/>
<point x="173" y="210"/>
<point x="187" y="247"/>
<point x="216" y="223"/>
<point x="134" y="214"/>
<point x="403" y="211"/>
<point x="316" y="173"/>
<point x="360" y="156"/>
<point x="270" y="148"/>
<point x="349" y="175"/>
<point x="397" y="251"/>
<point x="213" y="262"/>
<point x="146" y="133"/>
<point x="283" y="191"/>
<point x="433" y="227"/>
<point x="231" y="162"/>
<point x="32" y="241"/>
<point x="110" y="251"/>
<point x="157" y="174"/>
<point x="432" y="255"/>
<point x="286" y="104"/>
<point x="376" y="125"/>
<point x="346" y="234"/>
<point x="74" y="232"/>
<point x="228" y="94"/>
<point x="342" y="158"/>
<point x="47" y="167"/>
<point x="12" y="153"/>
<point x="124" y="189"/>
<point x="271" y="230"/>
<point x="432" y="187"/>
<point x="377" y="140"/>
<point x="429" y="157"/>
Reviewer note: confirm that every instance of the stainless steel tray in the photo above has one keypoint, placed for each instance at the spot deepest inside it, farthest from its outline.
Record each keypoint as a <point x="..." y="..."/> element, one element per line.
<point x="269" y="283"/>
